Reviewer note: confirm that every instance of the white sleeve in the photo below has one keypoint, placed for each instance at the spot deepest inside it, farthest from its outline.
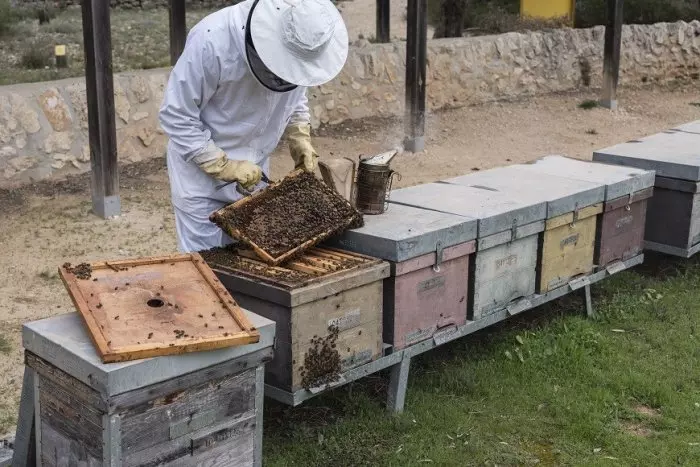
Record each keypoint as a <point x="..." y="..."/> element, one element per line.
<point x="192" y="83"/>
<point x="301" y="110"/>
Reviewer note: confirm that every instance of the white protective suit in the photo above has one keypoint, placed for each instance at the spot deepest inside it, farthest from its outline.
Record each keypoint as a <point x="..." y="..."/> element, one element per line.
<point x="212" y="97"/>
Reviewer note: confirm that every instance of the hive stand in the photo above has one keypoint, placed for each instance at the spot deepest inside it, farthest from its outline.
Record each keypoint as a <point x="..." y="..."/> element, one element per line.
<point x="184" y="420"/>
<point x="399" y="362"/>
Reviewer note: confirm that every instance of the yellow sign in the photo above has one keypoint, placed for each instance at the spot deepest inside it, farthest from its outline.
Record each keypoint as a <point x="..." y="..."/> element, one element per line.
<point x="60" y="50"/>
<point x="548" y="9"/>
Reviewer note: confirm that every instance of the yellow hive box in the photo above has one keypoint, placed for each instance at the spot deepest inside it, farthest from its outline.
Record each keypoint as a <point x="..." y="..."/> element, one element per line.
<point x="548" y="9"/>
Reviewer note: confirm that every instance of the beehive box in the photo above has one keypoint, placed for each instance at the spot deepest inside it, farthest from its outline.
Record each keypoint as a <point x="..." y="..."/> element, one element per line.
<point x="430" y="254"/>
<point x="201" y="408"/>
<point x="321" y="291"/>
<point x="620" y="227"/>
<point x="567" y="244"/>
<point x="504" y="266"/>
<point x="673" y="214"/>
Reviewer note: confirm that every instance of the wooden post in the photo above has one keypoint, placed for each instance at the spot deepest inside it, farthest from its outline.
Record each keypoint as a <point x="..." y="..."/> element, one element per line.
<point x="178" y="29"/>
<point x="100" y="104"/>
<point x="416" y="55"/>
<point x="611" y="63"/>
<point x="383" y="23"/>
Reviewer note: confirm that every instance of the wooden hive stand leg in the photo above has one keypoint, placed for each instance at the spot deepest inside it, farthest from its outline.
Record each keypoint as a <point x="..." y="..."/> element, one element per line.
<point x="398" y="382"/>
<point x="24" y="454"/>
<point x="259" y="401"/>
<point x="589" y="302"/>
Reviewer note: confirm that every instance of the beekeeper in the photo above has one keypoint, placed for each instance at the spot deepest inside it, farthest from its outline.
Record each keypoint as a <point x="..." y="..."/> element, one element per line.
<point x="238" y="88"/>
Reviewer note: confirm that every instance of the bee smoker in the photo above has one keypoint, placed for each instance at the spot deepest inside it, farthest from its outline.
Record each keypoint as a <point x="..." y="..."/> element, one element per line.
<point x="366" y="185"/>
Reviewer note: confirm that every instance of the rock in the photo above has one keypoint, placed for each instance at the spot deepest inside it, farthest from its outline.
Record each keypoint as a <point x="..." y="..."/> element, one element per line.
<point x="20" y="142"/>
<point x="22" y="163"/>
<point x="140" y="89"/>
<point x="58" y="142"/>
<point x="122" y="107"/>
<point x="7" y="151"/>
<point x="146" y="135"/>
<point x="78" y="165"/>
<point x="330" y="104"/>
<point x="138" y="116"/>
<point x="58" y="165"/>
<point x="85" y="154"/>
<point x="157" y="82"/>
<point x="55" y="110"/>
<point x="28" y="119"/>
<point x="78" y="98"/>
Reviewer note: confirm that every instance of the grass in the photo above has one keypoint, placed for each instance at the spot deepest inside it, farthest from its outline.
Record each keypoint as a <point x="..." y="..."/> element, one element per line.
<point x="588" y="104"/>
<point x="559" y="389"/>
<point x="140" y="40"/>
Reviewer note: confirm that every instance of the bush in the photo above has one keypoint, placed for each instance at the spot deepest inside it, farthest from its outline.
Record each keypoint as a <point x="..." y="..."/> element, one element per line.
<point x="594" y="12"/>
<point x="498" y="16"/>
<point x="7" y="17"/>
<point x="36" y="56"/>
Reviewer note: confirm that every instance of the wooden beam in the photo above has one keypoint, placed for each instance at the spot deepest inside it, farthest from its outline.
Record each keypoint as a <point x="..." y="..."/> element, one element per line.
<point x="178" y="29"/>
<point x="383" y="23"/>
<point x="416" y="55"/>
<point x="100" y="104"/>
<point x="611" y="62"/>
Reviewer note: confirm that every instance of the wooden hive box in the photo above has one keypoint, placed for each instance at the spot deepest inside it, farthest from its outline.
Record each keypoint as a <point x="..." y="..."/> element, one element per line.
<point x="620" y="228"/>
<point x="322" y="290"/>
<point x="568" y="241"/>
<point x="673" y="215"/>
<point x="430" y="254"/>
<point x="201" y="408"/>
<point x="505" y="263"/>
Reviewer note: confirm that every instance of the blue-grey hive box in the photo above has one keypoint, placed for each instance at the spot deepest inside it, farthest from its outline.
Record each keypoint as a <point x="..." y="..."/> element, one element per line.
<point x="191" y="409"/>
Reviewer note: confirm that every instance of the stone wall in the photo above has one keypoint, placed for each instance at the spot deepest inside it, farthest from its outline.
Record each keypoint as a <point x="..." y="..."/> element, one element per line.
<point x="43" y="126"/>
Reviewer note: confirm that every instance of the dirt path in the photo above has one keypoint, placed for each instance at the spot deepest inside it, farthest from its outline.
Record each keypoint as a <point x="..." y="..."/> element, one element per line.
<point x="49" y="224"/>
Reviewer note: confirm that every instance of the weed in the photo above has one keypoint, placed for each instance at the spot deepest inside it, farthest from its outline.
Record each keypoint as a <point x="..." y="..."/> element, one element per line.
<point x="588" y="104"/>
<point x="695" y="104"/>
<point x="592" y="131"/>
<point x="4" y="344"/>
<point x="37" y="56"/>
<point x="572" y="391"/>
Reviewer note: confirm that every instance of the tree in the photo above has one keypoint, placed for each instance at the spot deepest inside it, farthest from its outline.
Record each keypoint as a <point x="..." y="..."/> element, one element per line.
<point x="452" y="16"/>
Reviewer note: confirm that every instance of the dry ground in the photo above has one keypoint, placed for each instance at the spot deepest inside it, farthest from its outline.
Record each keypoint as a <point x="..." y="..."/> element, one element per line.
<point x="46" y="225"/>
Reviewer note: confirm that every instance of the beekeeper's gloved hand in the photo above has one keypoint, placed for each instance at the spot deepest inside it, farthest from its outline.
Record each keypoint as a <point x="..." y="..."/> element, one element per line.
<point x="299" y="139"/>
<point x="214" y="162"/>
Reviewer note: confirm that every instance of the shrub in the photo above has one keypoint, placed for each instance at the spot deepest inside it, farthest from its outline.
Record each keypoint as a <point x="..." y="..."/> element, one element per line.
<point x="497" y="16"/>
<point x="36" y="56"/>
<point x="7" y="17"/>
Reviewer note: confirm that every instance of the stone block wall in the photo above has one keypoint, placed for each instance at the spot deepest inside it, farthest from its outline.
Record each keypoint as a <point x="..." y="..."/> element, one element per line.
<point x="43" y="126"/>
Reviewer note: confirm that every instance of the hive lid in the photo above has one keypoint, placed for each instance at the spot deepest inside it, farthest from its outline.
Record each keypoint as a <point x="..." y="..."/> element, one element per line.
<point x="64" y="342"/>
<point x="692" y="127"/>
<point x="673" y="154"/>
<point x="618" y="181"/>
<point x="495" y="211"/>
<point x="148" y="307"/>
<point x="405" y="232"/>
<point x="563" y="195"/>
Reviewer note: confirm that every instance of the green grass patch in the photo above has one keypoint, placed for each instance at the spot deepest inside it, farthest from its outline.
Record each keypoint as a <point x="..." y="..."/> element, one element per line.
<point x="588" y="104"/>
<point x="4" y="344"/>
<point x="550" y="388"/>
